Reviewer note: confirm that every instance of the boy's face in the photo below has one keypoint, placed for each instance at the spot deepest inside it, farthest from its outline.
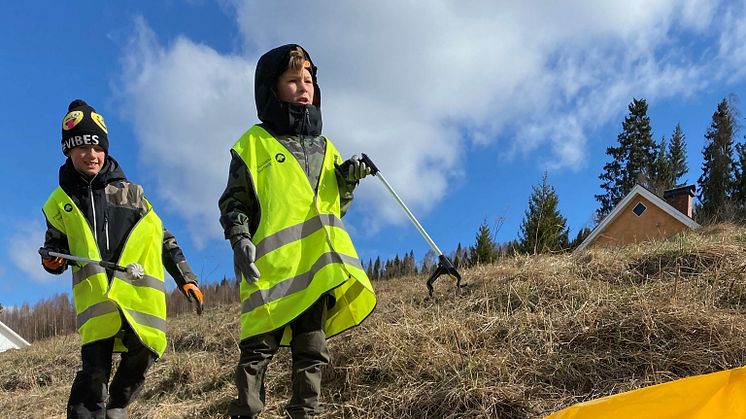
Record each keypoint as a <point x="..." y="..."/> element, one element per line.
<point x="295" y="87"/>
<point x="88" y="159"/>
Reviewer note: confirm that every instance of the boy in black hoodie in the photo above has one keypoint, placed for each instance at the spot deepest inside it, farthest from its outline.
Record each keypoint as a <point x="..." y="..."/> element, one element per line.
<point x="301" y="279"/>
<point x="96" y="213"/>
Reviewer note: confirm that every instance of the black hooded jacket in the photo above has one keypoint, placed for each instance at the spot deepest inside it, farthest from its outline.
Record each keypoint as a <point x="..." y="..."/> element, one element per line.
<point x="296" y="126"/>
<point x="284" y="118"/>
<point x="112" y="205"/>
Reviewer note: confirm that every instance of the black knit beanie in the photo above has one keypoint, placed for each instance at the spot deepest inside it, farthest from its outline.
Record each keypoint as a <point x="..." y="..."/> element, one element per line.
<point x="83" y="126"/>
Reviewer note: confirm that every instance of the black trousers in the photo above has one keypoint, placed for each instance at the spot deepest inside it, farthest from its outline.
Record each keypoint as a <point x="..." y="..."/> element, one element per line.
<point x="88" y="395"/>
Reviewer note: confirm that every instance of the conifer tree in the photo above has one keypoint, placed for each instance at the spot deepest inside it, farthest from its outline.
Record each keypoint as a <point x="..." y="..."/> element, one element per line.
<point x="412" y="263"/>
<point x="716" y="181"/>
<point x="663" y="178"/>
<point x="543" y="228"/>
<point x="738" y="193"/>
<point x="484" y="249"/>
<point x="583" y="233"/>
<point x="676" y="156"/>
<point x="460" y="257"/>
<point x="632" y="161"/>
<point x="377" y="268"/>
<point x="387" y="270"/>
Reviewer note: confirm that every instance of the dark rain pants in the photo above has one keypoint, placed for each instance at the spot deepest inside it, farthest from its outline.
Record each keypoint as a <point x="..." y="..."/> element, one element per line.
<point x="309" y="353"/>
<point x="88" y="396"/>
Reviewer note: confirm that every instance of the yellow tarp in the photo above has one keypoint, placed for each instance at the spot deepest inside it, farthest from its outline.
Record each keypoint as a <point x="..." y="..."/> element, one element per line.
<point x="717" y="395"/>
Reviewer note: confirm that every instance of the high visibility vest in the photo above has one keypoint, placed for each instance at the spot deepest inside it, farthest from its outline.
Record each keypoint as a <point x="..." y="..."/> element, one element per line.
<point x="100" y="305"/>
<point x="302" y="248"/>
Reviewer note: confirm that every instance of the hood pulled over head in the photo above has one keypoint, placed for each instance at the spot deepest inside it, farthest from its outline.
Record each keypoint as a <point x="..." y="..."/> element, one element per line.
<point x="284" y="117"/>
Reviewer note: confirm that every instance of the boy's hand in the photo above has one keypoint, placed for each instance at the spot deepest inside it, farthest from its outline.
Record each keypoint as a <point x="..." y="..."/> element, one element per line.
<point x="244" y="255"/>
<point x="52" y="264"/>
<point x="354" y="169"/>
<point x="193" y="293"/>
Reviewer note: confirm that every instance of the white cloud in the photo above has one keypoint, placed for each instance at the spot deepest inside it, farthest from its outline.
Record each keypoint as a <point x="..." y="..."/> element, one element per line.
<point x="732" y="48"/>
<point x="189" y="104"/>
<point x="24" y="251"/>
<point x="411" y="85"/>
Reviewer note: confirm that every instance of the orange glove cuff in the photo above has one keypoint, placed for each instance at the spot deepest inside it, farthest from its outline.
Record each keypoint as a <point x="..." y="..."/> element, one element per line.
<point x="53" y="263"/>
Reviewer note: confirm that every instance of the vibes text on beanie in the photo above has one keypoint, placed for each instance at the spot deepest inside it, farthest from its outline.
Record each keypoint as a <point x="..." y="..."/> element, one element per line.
<point x="83" y="126"/>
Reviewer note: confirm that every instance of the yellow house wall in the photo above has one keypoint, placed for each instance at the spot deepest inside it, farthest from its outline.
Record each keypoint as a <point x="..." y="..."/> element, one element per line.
<point x="654" y="223"/>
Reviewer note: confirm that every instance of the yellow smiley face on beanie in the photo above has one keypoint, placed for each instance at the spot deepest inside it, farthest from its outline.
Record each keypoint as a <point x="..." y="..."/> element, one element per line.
<point x="71" y="120"/>
<point x="99" y="120"/>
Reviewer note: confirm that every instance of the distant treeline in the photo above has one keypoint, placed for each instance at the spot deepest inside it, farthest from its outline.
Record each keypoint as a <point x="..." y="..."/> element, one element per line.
<point x="56" y="315"/>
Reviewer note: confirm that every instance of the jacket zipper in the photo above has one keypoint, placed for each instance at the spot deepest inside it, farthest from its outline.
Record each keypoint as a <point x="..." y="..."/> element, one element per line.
<point x="303" y="141"/>
<point x="93" y="212"/>
<point x="106" y="231"/>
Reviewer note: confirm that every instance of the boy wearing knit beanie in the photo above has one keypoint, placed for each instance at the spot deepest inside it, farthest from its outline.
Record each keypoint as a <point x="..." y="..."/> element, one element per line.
<point x="97" y="214"/>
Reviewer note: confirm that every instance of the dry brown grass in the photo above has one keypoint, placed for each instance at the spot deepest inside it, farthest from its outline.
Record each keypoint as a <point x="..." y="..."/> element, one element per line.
<point x="527" y="336"/>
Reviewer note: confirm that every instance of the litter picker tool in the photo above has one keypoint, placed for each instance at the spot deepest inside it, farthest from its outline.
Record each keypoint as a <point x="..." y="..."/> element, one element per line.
<point x="444" y="264"/>
<point x="134" y="270"/>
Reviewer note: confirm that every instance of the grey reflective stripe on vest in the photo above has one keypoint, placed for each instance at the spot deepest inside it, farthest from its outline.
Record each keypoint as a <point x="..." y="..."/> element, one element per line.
<point x="295" y="233"/>
<point x="296" y="283"/>
<point x="148" y="320"/>
<point x="145" y="281"/>
<point x="98" y="309"/>
<point x="86" y="271"/>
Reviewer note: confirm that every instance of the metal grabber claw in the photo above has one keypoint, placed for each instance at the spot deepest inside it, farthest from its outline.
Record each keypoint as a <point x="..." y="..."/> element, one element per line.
<point x="444" y="264"/>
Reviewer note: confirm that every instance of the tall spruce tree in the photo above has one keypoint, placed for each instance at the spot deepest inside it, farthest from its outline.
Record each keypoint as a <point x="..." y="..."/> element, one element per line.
<point x="738" y="192"/>
<point x="632" y="161"/>
<point x="716" y="181"/>
<point x="676" y="155"/>
<point x="461" y="257"/>
<point x="543" y="228"/>
<point x="484" y="249"/>
<point x="663" y="178"/>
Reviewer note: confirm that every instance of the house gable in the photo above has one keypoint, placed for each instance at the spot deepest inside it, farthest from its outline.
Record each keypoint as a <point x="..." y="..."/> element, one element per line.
<point x="639" y="216"/>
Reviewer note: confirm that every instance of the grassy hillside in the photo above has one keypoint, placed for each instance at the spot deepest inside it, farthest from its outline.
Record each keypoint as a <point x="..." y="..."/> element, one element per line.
<point x="527" y="336"/>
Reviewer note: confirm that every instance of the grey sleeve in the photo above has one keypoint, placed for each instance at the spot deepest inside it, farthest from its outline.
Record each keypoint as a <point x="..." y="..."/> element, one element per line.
<point x="239" y="205"/>
<point x="175" y="262"/>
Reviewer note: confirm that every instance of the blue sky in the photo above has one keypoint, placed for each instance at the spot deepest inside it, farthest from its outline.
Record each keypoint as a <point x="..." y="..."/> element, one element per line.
<point x="462" y="104"/>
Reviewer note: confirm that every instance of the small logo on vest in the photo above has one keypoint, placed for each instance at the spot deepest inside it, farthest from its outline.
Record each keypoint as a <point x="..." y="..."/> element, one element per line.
<point x="68" y="208"/>
<point x="280" y="157"/>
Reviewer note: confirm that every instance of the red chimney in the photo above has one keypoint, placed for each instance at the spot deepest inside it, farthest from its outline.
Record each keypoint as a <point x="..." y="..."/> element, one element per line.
<point x="681" y="199"/>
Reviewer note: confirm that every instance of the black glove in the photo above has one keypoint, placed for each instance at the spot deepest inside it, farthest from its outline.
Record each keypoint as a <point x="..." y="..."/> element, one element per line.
<point x="354" y="169"/>
<point x="244" y="255"/>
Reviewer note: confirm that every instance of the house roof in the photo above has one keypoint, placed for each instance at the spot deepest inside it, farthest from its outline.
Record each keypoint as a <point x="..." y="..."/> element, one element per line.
<point x="614" y="214"/>
<point x="10" y="339"/>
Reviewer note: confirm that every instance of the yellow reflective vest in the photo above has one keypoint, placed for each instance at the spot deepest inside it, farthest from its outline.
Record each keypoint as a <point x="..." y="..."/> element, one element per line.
<point x="302" y="248"/>
<point x="100" y="305"/>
